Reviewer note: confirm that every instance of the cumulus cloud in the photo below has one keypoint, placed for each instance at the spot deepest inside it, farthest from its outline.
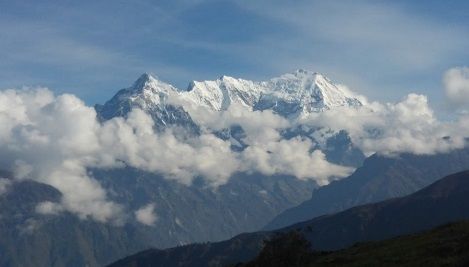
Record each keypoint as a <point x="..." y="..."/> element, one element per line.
<point x="52" y="140"/>
<point x="266" y="151"/>
<point x="293" y="157"/>
<point x="407" y="126"/>
<point x="146" y="215"/>
<point x="456" y="83"/>
<point x="56" y="139"/>
<point x="133" y="141"/>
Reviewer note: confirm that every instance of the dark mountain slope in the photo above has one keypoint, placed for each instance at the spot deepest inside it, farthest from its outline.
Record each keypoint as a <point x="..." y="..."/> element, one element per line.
<point x="444" y="201"/>
<point x="446" y="245"/>
<point x="378" y="179"/>
<point x="241" y="248"/>
<point x="185" y="214"/>
<point x="30" y="239"/>
<point x="199" y="213"/>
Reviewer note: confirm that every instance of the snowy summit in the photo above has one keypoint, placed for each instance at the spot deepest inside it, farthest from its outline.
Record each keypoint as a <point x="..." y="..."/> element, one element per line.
<point x="290" y="95"/>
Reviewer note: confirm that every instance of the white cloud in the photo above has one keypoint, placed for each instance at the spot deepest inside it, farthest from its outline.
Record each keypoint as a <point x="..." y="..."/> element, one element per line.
<point x="407" y="126"/>
<point x="456" y="83"/>
<point x="4" y="184"/>
<point x="146" y="215"/>
<point x="267" y="153"/>
<point x="48" y="207"/>
<point x="292" y="157"/>
<point x="133" y="141"/>
<point x="55" y="139"/>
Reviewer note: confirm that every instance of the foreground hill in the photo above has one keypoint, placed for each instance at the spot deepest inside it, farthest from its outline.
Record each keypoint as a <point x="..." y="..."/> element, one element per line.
<point x="444" y="201"/>
<point x="446" y="245"/>
<point x="378" y="179"/>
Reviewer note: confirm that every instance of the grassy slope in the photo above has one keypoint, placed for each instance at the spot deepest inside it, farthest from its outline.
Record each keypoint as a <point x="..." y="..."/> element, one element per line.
<point x="443" y="246"/>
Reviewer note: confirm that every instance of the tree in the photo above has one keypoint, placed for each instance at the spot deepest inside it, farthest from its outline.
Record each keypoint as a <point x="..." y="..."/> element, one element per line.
<point x="286" y="249"/>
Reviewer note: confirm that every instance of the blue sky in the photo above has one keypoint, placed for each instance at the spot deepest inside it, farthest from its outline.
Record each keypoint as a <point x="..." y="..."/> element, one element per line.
<point x="383" y="49"/>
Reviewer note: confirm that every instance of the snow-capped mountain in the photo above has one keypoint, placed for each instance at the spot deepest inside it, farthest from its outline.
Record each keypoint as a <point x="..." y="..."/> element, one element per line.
<point x="195" y="213"/>
<point x="221" y="93"/>
<point x="303" y="92"/>
<point x="150" y="95"/>
<point x="290" y="95"/>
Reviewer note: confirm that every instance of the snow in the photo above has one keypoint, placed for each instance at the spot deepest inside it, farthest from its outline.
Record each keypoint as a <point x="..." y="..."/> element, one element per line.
<point x="312" y="91"/>
<point x="148" y="91"/>
<point x="291" y="95"/>
<point x="221" y="93"/>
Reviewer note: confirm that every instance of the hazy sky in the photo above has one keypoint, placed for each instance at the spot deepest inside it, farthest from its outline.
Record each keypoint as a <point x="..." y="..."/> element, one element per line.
<point x="383" y="49"/>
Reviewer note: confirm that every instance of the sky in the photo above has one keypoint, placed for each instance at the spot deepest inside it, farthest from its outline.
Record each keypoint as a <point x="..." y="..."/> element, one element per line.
<point x="382" y="49"/>
<point x="411" y="53"/>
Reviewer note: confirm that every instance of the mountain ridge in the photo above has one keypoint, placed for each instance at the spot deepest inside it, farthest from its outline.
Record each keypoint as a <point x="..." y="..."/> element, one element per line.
<point x="379" y="178"/>
<point x="443" y="201"/>
<point x="445" y="245"/>
<point x="289" y="95"/>
<point x="185" y="214"/>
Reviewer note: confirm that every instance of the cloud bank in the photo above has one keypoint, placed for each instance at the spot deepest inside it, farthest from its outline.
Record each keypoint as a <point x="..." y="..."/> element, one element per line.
<point x="56" y="139"/>
<point x="409" y="126"/>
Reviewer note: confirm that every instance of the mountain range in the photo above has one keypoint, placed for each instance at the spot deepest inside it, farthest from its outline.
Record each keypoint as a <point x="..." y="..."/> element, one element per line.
<point x="378" y="179"/>
<point x="442" y="202"/>
<point x="185" y="214"/>
<point x="199" y="213"/>
<point x="292" y="96"/>
<point x="289" y="95"/>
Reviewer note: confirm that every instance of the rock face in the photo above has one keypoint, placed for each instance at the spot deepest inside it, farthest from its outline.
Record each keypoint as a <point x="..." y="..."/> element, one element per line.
<point x="185" y="214"/>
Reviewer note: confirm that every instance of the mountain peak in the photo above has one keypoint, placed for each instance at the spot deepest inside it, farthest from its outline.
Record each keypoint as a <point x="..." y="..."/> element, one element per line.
<point x="146" y="92"/>
<point x="143" y="80"/>
<point x="292" y="94"/>
<point x="313" y="91"/>
<point x="224" y="77"/>
<point x="304" y="72"/>
<point x="301" y="78"/>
